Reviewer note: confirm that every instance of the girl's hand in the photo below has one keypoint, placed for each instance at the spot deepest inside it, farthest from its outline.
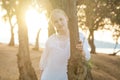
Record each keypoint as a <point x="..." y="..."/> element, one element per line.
<point x="79" y="46"/>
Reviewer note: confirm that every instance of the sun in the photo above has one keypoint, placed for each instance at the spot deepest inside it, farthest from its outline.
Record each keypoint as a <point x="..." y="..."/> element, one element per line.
<point x="36" y="21"/>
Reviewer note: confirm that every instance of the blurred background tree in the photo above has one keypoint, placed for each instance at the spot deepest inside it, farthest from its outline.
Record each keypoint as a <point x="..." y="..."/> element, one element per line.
<point x="18" y="8"/>
<point x="9" y="6"/>
<point x="24" y="62"/>
<point x="94" y="14"/>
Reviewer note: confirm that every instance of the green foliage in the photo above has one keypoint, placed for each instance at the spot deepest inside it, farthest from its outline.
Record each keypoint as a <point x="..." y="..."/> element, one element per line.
<point x="10" y="7"/>
<point x="97" y="10"/>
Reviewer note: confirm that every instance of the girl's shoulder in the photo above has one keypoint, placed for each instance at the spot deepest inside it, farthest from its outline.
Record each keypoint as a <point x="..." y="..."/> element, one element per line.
<point x="81" y="35"/>
<point x="51" y="38"/>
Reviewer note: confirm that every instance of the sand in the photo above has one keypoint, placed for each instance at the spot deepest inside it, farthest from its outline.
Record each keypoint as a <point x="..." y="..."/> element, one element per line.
<point x="104" y="66"/>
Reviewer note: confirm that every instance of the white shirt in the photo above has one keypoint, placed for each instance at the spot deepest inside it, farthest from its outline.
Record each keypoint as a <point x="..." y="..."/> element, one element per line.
<point x="54" y="59"/>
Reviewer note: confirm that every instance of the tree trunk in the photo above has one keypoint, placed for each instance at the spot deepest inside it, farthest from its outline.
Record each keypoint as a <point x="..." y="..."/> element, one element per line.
<point x="24" y="63"/>
<point x="91" y="42"/>
<point x="37" y="41"/>
<point x="76" y="66"/>
<point x="11" y="43"/>
<point x="116" y="44"/>
<point x="90" y="18"/>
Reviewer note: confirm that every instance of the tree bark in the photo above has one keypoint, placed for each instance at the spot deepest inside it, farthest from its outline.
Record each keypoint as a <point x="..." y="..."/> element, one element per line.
<point x="75" y="67"/>
<point x="91" y="42"/>
<point x="11" y="43"/>
<point x="37" y="41"/>
<point x="90" y="18"/>
<point x="23" y="58"/>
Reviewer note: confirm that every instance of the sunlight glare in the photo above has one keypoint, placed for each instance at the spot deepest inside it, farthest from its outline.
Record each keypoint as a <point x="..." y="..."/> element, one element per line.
<point x="36" y="21"/>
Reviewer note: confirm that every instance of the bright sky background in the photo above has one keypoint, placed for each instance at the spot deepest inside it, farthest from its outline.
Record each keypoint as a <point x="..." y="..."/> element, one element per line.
<point x="104" y="35"/>
<point x="35" y="21"/>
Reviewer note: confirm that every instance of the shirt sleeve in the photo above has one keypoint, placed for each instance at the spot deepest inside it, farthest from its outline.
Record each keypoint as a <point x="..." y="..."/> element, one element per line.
<point x="44" y="58"/>
<point x="86" y="47"/>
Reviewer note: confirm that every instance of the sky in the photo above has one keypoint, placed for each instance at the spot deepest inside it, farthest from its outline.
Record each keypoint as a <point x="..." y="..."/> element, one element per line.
<point x="34" y="21"/>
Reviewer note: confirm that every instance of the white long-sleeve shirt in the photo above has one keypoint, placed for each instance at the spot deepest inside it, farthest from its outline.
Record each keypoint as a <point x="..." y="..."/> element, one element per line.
<point x="86" y="47"/>
<point x="54" y="59"/>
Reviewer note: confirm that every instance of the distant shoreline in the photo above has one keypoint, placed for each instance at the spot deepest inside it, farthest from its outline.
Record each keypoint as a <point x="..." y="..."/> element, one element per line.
<point x="107" y="50"/>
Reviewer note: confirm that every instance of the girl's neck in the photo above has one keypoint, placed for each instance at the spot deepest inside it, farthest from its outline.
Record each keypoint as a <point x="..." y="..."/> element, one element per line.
<point x="64" y="33"/>
<point x="63" y="36"/>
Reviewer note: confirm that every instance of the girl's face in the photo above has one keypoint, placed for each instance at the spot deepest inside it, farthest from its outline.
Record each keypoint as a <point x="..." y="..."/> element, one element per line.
<point x="60" y="22"/>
